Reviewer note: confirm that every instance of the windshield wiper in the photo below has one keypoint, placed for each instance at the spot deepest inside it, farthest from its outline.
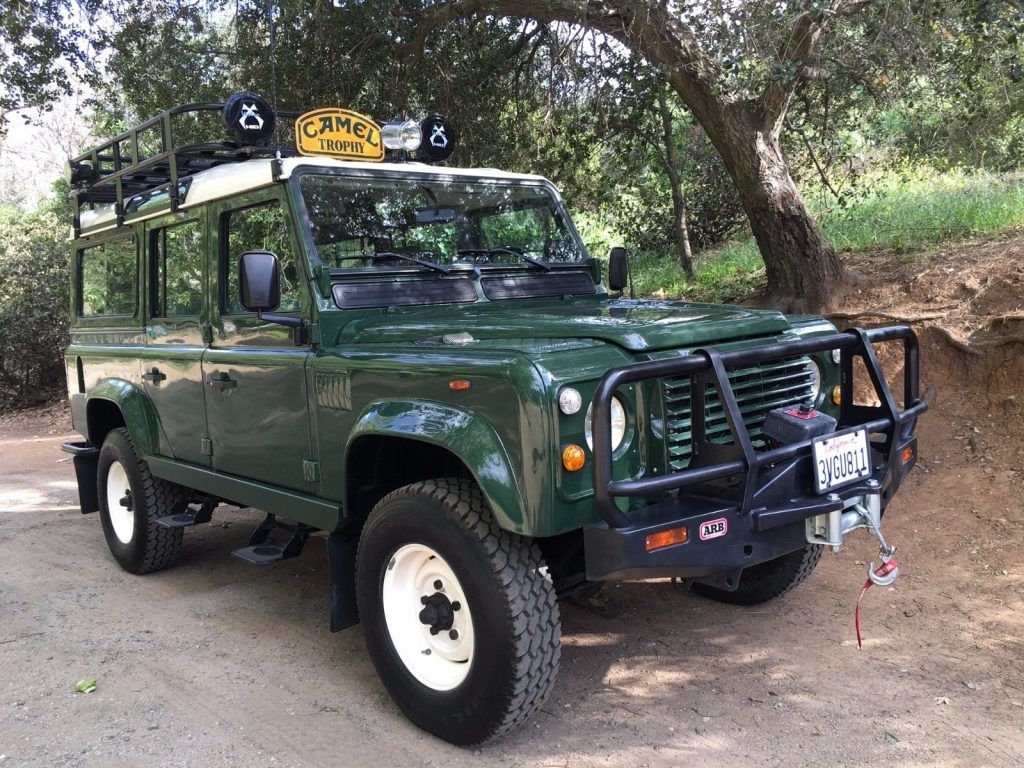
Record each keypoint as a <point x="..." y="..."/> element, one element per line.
<point x="518" y="253"/>
<point x="393" y="255"/>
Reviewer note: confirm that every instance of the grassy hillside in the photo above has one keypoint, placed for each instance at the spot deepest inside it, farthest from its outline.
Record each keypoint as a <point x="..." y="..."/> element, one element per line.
<point x="902" y="210"/>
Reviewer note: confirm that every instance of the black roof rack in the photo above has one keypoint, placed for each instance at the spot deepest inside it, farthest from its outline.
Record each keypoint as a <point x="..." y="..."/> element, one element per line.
<point x="118" y="170"/>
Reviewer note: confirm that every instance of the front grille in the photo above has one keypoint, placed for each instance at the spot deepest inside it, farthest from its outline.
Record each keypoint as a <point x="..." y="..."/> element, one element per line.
<point x="758" y="390"/>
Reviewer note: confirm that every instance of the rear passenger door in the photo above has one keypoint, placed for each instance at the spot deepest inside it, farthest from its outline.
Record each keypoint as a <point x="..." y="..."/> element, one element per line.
<point x="255" y="376"/>
<point x="177" y="333"/>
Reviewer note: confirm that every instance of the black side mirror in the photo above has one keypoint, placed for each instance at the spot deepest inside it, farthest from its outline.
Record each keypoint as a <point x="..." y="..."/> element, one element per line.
<point x="259" y="288"/>
<point x="259" y="281"/>
<point x="618" y="271"/>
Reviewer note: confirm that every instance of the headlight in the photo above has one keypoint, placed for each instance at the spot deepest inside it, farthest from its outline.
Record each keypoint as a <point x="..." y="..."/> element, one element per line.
<point x="618" y="424"/>
<point x="815" y="372"/>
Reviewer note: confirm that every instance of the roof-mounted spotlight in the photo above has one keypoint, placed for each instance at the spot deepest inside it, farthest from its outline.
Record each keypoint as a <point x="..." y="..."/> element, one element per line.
<point x="404" y="136"/>
<point x="249" y="119"/>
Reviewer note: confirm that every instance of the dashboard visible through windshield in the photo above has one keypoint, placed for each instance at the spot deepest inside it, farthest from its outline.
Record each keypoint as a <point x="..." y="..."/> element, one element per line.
<point x="381" y="223"/>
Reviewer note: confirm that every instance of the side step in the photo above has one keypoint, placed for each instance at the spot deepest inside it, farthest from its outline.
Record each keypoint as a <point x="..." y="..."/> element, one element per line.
<point x="265" y="549"/>
<point x="188" y="515"/>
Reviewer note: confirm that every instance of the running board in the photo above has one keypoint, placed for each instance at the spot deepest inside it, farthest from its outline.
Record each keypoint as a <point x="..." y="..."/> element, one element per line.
<point x="265" y="549"/>
<point x="189" y="515"/>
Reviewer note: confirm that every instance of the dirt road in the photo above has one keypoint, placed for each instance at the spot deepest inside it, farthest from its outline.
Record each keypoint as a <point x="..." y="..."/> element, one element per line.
<point x="216" y="663"/>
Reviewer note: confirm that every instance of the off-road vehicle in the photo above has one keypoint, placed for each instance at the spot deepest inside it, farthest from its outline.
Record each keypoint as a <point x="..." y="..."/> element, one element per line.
<point x="424" y="367"/>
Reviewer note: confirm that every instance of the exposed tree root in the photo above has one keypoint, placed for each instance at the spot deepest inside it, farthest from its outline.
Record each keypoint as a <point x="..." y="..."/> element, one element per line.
<point x="886" y="316"/>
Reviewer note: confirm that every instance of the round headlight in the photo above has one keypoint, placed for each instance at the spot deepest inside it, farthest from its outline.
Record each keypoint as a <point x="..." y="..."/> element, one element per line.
<point x="569" y="401"/>
<point x="618" y="424"/>
<point x="815" y="372"/>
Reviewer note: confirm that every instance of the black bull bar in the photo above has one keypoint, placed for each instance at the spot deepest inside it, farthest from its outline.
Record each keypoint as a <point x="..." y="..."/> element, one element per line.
<point x="615" y="548"/>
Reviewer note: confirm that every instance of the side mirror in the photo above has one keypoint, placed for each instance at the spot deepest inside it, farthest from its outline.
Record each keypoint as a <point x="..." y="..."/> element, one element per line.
<point x="259" y="281"/>
<point x="618" y="270"/>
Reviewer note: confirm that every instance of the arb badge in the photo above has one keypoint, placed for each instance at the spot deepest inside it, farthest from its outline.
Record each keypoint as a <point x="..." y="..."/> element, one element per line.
<point x="339" y="133"/>
<point x="712" y="529"/>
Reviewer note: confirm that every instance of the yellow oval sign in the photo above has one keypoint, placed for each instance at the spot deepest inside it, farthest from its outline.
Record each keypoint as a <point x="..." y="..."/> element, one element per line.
<point x="339" y="133"/>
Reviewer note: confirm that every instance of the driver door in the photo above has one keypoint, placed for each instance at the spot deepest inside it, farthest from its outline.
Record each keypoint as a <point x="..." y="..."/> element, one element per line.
<point x="256" y="399"/>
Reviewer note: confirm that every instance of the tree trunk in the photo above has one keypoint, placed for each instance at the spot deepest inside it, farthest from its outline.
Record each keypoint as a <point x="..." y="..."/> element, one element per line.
<point x="680" y="230"/>
<point x="804" y="272"/>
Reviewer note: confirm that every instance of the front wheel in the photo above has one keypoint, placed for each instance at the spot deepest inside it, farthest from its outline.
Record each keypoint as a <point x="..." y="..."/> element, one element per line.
<point x="766" y="581"/>
<point x="460" y="616"/>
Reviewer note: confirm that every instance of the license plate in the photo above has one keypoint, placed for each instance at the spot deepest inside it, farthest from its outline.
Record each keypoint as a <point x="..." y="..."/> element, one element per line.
<point x="840" y="459"/>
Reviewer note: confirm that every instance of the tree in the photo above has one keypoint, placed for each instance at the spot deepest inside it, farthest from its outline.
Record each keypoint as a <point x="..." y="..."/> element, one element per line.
<point x="803" y="269"/>
<point x="38" y="53"/>
<point x="680" y="230"/>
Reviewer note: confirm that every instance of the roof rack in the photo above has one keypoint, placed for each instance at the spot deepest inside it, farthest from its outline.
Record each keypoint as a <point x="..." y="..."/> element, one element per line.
<point x="117" y="170"/>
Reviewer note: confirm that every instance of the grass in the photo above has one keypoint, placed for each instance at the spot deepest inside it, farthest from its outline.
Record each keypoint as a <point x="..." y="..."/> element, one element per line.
<point x="903" y="209"/>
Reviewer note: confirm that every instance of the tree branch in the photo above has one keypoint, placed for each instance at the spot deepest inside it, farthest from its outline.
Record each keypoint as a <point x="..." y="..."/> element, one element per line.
<point x="804" y="38"/>
<point x="649" y="28"/>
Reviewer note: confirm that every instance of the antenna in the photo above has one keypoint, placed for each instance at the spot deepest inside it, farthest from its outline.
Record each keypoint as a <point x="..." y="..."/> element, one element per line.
<point x="273" y="73"/>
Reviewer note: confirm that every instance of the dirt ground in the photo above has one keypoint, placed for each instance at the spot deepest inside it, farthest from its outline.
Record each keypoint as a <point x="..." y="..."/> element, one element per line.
<point x="215" y="663"/>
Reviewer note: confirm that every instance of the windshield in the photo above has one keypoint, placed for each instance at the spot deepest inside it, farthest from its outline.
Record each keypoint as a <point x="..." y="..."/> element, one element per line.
<point x="360" y="222"/>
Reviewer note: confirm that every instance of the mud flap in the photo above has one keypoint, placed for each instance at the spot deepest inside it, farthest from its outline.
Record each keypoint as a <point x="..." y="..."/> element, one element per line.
<point x="86" y="458"/>
<point x="341" y="569"/>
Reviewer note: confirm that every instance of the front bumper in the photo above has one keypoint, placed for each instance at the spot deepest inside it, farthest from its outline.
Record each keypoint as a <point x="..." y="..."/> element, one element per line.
<point x="754" y="506"/>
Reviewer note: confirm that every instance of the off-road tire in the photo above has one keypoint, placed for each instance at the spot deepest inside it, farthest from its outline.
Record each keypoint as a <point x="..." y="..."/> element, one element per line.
<point x="152" y="546"/>
<point x="512" y="599"/>
<point x="766" y="581"/>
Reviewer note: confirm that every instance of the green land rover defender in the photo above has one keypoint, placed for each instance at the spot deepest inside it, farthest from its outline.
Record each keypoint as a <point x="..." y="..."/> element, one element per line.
<point x="424" y="367"/>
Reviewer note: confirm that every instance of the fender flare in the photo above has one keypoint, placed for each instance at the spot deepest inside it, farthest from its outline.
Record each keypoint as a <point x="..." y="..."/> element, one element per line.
<point x="469" y="438"/>
<point x="135" y="406"/>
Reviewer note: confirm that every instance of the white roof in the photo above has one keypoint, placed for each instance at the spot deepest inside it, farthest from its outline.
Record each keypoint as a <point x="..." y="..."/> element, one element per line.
<point x="234" y="178"/>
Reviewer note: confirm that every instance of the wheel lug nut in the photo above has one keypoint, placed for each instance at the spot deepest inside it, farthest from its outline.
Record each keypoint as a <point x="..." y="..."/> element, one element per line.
<point x="438" y="585"/>
<point x="456" y="605"/>
<point x="454" y="634"/>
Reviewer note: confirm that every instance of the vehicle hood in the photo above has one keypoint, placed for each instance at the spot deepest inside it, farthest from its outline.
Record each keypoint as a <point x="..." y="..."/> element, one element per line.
<point x="633" y="325"/>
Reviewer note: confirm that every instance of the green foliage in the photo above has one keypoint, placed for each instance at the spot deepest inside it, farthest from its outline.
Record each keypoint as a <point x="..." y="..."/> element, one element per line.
<point x="913" y="205"/>
<point x="38" y="52"/>
<point x="905" y="208"/>
<point x="34" y="304"/>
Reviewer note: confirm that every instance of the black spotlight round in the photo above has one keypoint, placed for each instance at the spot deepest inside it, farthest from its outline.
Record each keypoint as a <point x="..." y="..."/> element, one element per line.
<point x="249" y="118"/>
<point x="438" y="139"/>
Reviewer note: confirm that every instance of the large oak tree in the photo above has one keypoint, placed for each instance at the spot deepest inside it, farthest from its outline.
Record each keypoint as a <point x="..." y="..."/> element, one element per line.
<point x="803" y="269"/>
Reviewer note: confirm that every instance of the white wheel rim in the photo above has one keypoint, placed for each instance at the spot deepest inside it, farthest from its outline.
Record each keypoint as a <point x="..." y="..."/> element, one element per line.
<point x="440" y="661"/>
<point x="122" y="517"/>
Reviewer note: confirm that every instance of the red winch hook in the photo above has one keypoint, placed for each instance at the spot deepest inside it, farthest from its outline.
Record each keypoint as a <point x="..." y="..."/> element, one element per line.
<point x="884" y="575"/>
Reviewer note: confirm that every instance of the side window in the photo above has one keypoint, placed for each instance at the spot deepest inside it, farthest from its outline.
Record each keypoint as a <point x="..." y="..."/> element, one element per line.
<point x="109" y="278"/>
<point x="260" y="228"/>
<point x="177" y="273"/>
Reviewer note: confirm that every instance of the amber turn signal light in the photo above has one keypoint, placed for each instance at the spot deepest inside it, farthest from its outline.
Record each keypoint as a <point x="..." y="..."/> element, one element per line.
<point x="663" y="539"/>
<point x="573" y="457"/>
<point x="908" y="454"/>
<point x="837" y="395"/>
<point x="458" y="385"/>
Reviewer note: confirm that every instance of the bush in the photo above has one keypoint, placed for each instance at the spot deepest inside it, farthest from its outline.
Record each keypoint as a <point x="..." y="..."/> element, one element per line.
<point x="34" y="305"/>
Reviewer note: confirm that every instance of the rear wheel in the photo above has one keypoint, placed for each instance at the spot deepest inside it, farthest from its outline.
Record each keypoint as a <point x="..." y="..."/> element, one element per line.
<point x="131" y="500"/>
<point x="460" y="616"/>
<point x="766" y="581"/>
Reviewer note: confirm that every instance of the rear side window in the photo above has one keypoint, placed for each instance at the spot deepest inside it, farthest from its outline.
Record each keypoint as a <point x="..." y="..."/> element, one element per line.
<point x="177" y="254"/>
<point x="109" y="278"/>
<point x="260" y="228"/>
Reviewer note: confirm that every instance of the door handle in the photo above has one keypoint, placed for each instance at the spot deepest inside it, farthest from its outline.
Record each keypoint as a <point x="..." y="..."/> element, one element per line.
<point x="221" y="381"/>
<point x="154" y="376"/>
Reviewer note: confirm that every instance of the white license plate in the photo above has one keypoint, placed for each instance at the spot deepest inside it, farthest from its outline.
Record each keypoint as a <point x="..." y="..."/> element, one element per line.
<point x="840" y="459"/>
